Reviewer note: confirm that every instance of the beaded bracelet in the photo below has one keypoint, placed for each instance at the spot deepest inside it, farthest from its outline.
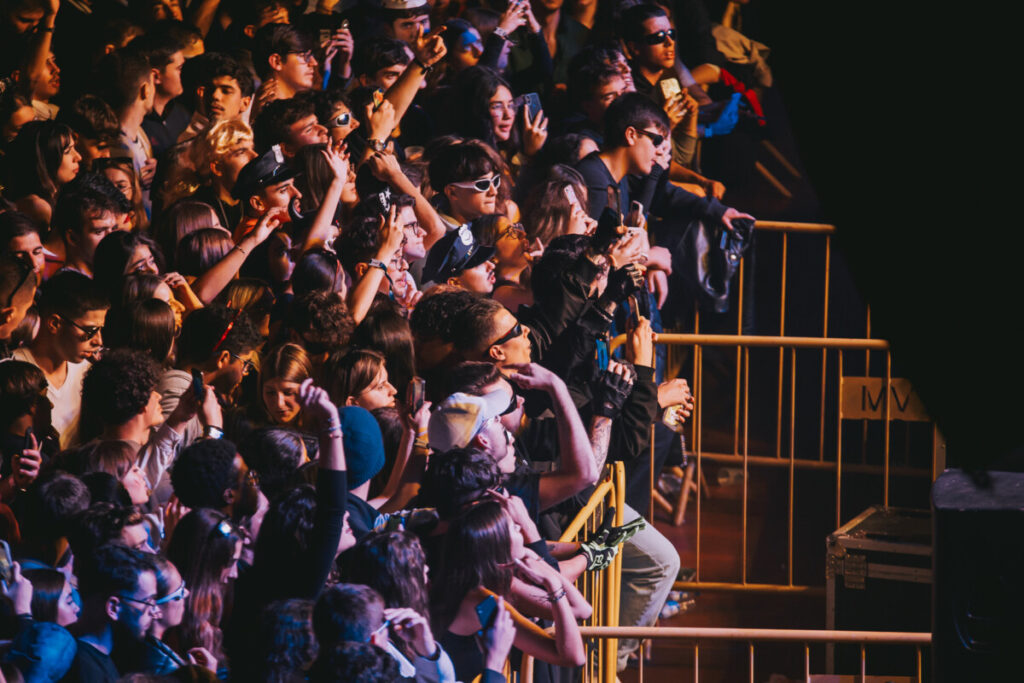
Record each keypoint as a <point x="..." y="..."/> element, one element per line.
<point x="555" y="597"/>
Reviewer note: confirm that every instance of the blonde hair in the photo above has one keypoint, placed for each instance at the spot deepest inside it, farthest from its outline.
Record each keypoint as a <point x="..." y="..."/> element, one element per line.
<point x="219" y="140"/>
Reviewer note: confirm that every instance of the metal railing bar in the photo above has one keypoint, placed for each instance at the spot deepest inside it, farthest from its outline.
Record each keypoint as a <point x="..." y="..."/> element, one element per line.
<point x="809" y="464"/>
<point x="839" y="446"/>
<point x="596" y="499"/>
<point x="782" y="333"/>
<point x="887" y="406"/>
<point x="705" y="633"/>
<point x="721" y="586"/>
<point x="790" y="226"/>
<point x="762" y="341"/>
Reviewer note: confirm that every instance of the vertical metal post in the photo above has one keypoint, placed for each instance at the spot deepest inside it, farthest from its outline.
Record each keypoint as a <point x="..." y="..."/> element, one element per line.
<point x="696" y="662"/>
<point x="839" y="446"/>
<point x="736" y="403"/>
<point x="698" y="414"/>
<point x="807" y="663"/>
<point x="863" y="663"/>
<point x="885" y="436"/>
<point x="782" y="333"/>
<point x="750" y="645"/>
<point x="824" y="353"/>
<point x="792" y="456"/>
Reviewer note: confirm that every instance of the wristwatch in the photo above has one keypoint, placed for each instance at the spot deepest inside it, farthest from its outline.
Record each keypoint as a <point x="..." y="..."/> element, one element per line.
<point x="378" y="145"/>
<point x="502" y="33"/>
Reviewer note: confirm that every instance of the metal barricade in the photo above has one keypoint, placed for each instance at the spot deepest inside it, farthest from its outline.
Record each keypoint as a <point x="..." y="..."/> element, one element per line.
<point x="601" y="589"/>
<point x="701" y="637"/>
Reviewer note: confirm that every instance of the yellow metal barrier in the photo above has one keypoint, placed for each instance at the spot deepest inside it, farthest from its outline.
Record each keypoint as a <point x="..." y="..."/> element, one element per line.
<point x="807" y="637"/>
<point x="601" y="588"/>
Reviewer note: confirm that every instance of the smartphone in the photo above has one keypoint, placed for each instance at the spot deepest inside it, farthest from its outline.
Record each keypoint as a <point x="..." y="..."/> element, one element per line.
<point x="670" y="88"/>
<point x="198" y="390"/>
<point x="634" y="311"/>
<point x="416" y="394"/>
<point x="325" y="35"/>
<point x="27" y="443"/>
<point x="570" y="194"/>
<point x="7" y="565"/>
<point x="485" y="611"/>
<point x="531" y="101"/>
<point x="636" y="214"/>
<point x="344" y="25"/>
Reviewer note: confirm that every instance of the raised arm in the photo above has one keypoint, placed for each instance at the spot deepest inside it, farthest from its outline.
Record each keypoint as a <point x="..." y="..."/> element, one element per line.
<point x="208" y="285"/>
<point x="45" y="42"/>
<point x="322" y="227"/>
<point x="361" y="296"/>
<point x="428" y="50"/>
<point x="386" y="168"/>
<point x="576" y="468"/>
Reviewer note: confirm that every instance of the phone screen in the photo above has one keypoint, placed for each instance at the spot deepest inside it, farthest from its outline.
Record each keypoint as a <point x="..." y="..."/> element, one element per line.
<point x="485" y="611"/>
<point x="197" y="385"/>
<point x="415" y="394"/>
<point x="6" y="563"/>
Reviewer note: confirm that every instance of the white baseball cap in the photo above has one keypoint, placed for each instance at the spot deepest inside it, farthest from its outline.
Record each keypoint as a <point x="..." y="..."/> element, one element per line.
<point x="460" y="417"/>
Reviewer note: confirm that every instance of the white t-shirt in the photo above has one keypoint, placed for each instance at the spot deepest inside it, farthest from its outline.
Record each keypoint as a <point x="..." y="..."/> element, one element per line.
<point x="66" y="399"/>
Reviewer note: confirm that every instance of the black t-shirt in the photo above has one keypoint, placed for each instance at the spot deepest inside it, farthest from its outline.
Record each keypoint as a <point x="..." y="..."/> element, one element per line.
<point x="91" y="666"/>
<point x="362" y="516"/>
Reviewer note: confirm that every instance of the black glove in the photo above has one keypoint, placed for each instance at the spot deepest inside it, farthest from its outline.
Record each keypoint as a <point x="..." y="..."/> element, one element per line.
<point x="623" y="282"/>
<point x="608" y="392"/>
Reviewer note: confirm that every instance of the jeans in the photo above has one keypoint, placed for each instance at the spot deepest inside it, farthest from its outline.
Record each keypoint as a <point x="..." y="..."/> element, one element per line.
<point x="650" y="564"/>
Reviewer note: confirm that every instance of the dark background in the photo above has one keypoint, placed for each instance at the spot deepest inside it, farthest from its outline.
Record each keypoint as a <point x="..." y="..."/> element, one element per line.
<point x="907" y="121"/>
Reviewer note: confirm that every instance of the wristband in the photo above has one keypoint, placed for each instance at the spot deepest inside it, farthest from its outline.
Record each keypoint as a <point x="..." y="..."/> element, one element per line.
<point x="212" y="432"/>
<point x="377" y="263"/>
<point x="330" y="429"/>
<point x="421" y="444"/>
<point x="556" y="596"/>
<point x="502" y="33"/>
<point x="426" y="69"/>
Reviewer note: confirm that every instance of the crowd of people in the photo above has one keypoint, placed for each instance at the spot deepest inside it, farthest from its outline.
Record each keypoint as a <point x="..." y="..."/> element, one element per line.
<point x="305" y="313"/>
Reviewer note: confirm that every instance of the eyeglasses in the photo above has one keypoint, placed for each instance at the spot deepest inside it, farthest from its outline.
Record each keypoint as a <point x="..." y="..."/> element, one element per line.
<point x="340" y="121"/>
<point x="89" y="331"/>
<point x="660" y="37"/>
<point x="248" y="367"/>
<point x="150" y="605"/>
<point x="382" y="627"/>
<point x="176" y="596"/>
<point x="514" y="230"/>
<point x="655" y="137"/>
<point x="516" y="331"/>
<point x="482" y="185"/>
<point x="306" y="56"/>
<point x="512" y="404"/>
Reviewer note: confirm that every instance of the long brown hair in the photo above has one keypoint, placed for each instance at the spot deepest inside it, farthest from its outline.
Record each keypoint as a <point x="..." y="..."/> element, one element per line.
<point x="477" y="552"/>
<point x="351" y="373"/>
<point x="202" y="547"/>
<point x="288" y="362"/>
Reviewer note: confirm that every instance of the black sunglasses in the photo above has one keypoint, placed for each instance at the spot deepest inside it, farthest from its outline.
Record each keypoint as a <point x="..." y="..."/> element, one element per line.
<point x="89" y="332"/>
<point x="655" y="138"/>
<point x="660" y="37"/>
<point x="516" y="331"/>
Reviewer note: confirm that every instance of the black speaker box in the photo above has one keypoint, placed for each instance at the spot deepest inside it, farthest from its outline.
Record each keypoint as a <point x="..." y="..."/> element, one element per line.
<point x="978" y="589"/>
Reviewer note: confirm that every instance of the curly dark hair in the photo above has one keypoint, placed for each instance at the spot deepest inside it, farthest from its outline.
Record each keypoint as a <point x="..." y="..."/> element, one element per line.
<point x="392" y="562"/>
<point x="203" y="472"/>
<point x="358" y="243"/>
<point x="284" y="541"/>
<point x="457" y="478"/>
<point x="111" y="570"/>
<point x="116" y="388"/>
<point x="275" y="453"/>
<point x="99" y="524"/>
<point x="286" y="639"/>
<point x="436" y="313"/>
<point x="322" y="320"/>
<point x="204" y="327"/>
<point x="361" y="662"/>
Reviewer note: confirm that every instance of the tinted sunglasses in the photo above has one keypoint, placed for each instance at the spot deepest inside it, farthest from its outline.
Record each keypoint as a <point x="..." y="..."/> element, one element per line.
<point x="516" y="331"/>
<point x="340" y="121"/>
<point x="176" y="596"/>
<point x="89" y="332"/>
<point x="482" y="185"/>
<point x="660" y="37"/>
<point x="514" y="230"/>
<point x="655" y="138"/>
